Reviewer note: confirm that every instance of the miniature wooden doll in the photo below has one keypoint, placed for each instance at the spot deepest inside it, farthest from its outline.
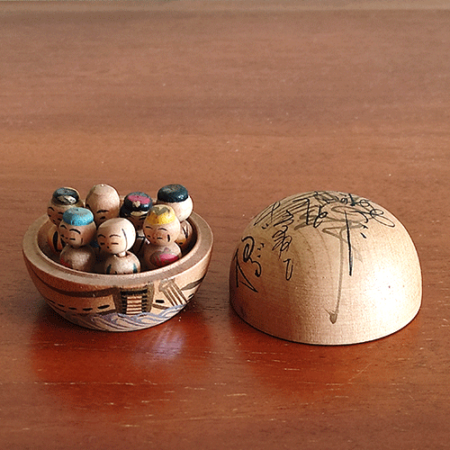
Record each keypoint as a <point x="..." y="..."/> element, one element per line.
<point x="135" y="208"/>
<point x="77" y="230"/>
<point x="104" y="202"/>
<point x="62" y="199"/>
<point x="177" y="197"/>
<point x="161" y="228"/>
<point x="116" y="237"/>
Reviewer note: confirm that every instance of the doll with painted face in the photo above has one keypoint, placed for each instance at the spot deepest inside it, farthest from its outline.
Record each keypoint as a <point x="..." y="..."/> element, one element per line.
<point x="177" y="197"/>
<point x="104" y="202"/>
<point x="77" y="230"/>
<point x="135" y="208"/>
<point x="161" y="228"/>
<point x="62" y="199"/>
<point x="115" y="238"/>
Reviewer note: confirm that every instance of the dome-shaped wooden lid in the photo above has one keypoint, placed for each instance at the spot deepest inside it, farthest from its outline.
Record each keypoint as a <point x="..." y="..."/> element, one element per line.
<point x="326" y="268"/>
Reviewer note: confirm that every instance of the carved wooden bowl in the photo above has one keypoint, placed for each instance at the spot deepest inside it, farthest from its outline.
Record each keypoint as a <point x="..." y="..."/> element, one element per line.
<point x="326" y="268"/>
<point x="117" y="302"/>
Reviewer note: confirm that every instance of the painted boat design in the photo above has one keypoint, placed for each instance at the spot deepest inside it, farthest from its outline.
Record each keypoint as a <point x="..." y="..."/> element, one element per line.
<point x="117" y="302"/>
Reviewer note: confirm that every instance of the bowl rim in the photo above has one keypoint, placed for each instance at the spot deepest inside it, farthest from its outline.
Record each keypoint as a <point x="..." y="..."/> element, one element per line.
<point x="35" y="256"/>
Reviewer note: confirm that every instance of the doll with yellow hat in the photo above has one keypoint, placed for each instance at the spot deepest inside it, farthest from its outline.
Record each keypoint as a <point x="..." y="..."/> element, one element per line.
<point x="161" y="228"/>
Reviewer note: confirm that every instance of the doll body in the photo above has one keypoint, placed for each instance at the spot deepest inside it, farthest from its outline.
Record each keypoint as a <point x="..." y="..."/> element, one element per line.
<point x="115" y="237"/>
<point x="82" y="258"/>
<point x="77" y="230"/>
<point x="135" y="208"/>
<point x="177" y="197"/>
<point x="104" y="202"/>
<point x="161" y="228"/>
<point x="126" y="264"/>
<point x="62" y="199"/>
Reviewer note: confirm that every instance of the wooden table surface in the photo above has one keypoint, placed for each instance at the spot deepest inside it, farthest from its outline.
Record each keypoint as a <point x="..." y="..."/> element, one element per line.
<point x="245" y="103"/>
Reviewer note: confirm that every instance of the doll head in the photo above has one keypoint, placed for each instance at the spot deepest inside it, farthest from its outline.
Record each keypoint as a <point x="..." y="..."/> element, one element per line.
<point x="62" y="199"/>
<point x="116" y="236"/>
<point x="161" y="226"/>
<point x="177" y="197"/>
<point x="135" y="208"/>
<point x="77" y="227"/>
<point x="104" y="202"/>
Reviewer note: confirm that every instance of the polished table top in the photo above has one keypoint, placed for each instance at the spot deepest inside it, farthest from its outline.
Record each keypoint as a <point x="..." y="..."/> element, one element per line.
<point x="243" y="102"/>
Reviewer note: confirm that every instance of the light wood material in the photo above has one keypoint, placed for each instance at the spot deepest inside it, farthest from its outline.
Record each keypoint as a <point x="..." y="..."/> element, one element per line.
<point x="77" y="230"/>
<point x="161" y="228"/>
<point x="326" y="268"/>
<point x="62" y="199"/>
<point x="116" y="302"/>
<point x="115" y="237"/>
<point x="135" y="208"/>
<point x="104" y="202"/>
<point x="245" y="102"/>
<point x="178" y="198"/>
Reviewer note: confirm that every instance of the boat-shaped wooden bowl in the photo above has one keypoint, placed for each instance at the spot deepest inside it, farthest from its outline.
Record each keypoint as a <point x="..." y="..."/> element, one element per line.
<point x="117" y="302"/>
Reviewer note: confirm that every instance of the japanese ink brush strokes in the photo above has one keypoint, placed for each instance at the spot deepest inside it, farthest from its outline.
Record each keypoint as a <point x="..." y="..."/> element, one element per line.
<point x="326" y="268"/>
<point x="117" y="302"/>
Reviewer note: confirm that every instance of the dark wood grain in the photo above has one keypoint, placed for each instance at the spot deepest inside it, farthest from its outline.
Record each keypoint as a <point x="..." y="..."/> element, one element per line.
<point x="244" y="103"/>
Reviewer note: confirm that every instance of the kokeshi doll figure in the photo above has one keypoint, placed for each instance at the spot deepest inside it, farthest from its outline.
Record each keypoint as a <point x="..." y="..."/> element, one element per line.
<point x="104" y="202"/>
<point x="62" y="199"/>
<point x="77" y="230"/>
<point x="115" y="237"/>
<point x="161" y="228"/>
<point x="177" y="197"/>
<point x="135" y="208"/>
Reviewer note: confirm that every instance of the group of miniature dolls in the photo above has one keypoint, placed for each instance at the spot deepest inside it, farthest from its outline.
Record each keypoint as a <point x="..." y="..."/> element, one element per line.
<point x="107" y="235"/>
